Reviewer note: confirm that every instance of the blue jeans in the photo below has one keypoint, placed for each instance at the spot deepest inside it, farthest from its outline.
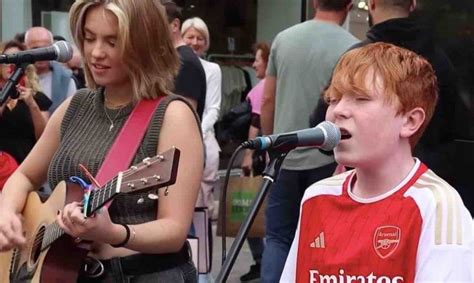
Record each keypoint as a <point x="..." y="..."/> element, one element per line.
<point x="281" y="216"/>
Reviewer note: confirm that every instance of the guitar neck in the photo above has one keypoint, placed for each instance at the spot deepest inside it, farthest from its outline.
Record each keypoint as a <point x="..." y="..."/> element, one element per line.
<point x="97" y="199"/>
<point x="100" y="197"/>
<point x="156" y="172"/>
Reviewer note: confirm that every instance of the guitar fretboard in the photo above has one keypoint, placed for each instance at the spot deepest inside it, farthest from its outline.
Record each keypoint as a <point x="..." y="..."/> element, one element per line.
<point x="97" y="199"/>
<point x="100" y="197"/>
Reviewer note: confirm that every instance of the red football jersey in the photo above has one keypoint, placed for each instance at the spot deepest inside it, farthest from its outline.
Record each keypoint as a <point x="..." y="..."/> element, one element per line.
<point x="418" y="231"/>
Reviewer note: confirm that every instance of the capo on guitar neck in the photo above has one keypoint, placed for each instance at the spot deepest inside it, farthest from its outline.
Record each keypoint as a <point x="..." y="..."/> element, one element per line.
<point x="89" y="176"/>
<point x="87" y="188"/>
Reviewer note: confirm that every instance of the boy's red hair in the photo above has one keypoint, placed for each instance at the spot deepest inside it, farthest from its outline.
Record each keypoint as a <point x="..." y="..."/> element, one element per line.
<point x="409" y="80"/>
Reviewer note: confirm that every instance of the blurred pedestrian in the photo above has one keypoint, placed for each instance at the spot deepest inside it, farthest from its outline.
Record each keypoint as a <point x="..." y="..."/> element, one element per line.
<point x="22" y="119"/>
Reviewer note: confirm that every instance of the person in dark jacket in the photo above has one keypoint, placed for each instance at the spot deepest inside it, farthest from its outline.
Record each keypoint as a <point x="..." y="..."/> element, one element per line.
<point x="390" y="21"/>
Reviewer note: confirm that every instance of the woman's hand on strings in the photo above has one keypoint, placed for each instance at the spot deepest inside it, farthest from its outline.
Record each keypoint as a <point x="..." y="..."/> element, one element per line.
<point x="98" y="227"/>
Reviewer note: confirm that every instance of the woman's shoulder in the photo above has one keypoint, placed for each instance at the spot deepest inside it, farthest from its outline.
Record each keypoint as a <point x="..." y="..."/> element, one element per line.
<point x="175" y="103"/>
<point x="257" y="89"/>
<point x="86" y="93"/>
<point x="261" y="83"/>
<point x="79" y="99"/>
<point x="176" y="107"/>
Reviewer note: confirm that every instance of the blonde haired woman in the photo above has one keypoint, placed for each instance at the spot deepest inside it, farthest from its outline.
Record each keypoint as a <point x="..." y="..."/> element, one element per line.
<point x="139" y="239"/>
<point x="196" y="35"/>
<point x="22" y="119"/>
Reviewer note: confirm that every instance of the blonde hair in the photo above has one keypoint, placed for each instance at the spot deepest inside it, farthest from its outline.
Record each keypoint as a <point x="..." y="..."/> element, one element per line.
<point x="200" y="26"/>
<point x="143" y="39"/>
<point x="32" y="79"/>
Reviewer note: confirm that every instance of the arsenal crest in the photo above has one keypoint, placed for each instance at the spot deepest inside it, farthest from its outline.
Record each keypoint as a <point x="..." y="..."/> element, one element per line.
<point x="386" y="240"/>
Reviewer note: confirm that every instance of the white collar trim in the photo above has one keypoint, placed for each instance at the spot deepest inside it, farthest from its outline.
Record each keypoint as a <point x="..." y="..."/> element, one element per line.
<point x="386" y="194"/>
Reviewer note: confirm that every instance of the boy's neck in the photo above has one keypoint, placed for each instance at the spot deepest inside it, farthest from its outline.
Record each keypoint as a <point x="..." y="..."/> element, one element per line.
<point x="377" y="180"/>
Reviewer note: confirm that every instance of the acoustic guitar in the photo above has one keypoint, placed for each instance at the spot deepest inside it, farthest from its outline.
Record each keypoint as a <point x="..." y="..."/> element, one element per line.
<point x="52" y="256"/>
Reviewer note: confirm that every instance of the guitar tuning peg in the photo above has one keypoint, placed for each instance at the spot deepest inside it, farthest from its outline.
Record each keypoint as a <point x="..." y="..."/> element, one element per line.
<point x="160" y="157"/>
<point x="146" y="161"/>
<point x="144" y="181"/>
<point x="140" y="201"/>
<point x="133" y="168"/>
<point x="157" y="177"/>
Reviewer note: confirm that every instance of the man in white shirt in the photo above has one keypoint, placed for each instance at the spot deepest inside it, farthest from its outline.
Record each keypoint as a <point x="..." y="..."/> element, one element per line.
<point x="55" y="80"/>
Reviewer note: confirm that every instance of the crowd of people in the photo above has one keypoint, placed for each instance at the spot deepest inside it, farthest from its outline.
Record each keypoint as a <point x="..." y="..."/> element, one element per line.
<point x="378" y="208"/>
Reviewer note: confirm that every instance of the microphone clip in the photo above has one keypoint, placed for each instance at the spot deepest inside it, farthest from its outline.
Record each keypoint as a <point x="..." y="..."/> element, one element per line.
<point x="9" y="89"/>
<point x="281" y="144"/>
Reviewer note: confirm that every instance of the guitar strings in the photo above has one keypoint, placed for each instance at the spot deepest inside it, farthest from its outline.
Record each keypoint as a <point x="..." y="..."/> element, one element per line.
<point x="54" y="227"/>
<point x="39" y="239"/>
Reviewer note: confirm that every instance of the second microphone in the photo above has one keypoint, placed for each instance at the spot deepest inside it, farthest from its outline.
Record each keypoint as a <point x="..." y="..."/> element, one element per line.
<point x="326" y="136"/>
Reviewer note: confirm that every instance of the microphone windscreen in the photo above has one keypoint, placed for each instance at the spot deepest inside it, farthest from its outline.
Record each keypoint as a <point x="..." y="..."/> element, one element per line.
<point x="64" y="51"/>
<point x="333" y="135"/>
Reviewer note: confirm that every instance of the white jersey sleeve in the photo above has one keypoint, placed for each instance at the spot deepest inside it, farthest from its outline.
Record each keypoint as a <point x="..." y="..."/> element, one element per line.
<point x="445" y="249"/>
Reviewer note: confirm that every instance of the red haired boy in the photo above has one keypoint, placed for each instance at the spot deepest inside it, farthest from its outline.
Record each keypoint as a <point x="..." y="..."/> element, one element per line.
<point x="391" y="219"/>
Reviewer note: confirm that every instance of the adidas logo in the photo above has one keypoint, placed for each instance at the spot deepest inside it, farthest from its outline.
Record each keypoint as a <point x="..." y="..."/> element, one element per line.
<point x="318" y="242"/>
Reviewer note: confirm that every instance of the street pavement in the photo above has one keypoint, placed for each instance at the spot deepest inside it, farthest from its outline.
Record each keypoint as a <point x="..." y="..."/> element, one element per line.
<point x="242" y="263"/>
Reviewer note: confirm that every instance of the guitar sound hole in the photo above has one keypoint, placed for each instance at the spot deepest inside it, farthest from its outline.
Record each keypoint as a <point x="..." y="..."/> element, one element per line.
<point x="36" y="246"/>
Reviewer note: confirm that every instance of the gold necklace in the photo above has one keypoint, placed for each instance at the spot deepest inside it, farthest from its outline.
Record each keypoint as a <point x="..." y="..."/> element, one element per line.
<point x="115" y="117"/>
<point x="112" y="106"/>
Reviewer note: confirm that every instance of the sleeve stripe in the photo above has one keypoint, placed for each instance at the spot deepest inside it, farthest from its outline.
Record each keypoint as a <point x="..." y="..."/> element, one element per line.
<point x="439" y="215"/>
<point x="459" y="225"/>
<point x="448" y="205"/>
<point x="450" y="202"/>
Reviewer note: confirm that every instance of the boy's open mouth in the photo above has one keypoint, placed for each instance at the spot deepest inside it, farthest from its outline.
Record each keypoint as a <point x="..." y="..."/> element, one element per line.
<point x="345" y="134"/>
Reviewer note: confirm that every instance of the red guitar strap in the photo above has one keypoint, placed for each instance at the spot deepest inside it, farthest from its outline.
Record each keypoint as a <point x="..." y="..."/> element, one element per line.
<point x="128" y="140"/>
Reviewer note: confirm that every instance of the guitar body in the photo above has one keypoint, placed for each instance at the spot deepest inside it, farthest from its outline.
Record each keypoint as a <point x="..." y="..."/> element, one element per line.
<point x="60" y="258"/>
<point x="59" y="262"/>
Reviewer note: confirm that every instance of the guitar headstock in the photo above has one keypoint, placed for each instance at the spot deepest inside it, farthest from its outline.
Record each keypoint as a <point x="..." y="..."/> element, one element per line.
<point x="155" y="172"/>
<point x="160" y="170"/>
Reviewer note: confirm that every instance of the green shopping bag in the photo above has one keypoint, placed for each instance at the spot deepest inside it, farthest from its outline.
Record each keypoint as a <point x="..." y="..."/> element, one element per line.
<point x="241" y="193"/>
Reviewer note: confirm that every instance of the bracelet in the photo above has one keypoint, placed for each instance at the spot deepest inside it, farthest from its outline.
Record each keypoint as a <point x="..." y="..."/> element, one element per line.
<point x="134" y="234"/>
<point x="127" y="237"/>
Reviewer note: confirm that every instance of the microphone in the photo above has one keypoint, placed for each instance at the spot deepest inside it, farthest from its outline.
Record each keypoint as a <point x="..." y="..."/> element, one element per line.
<point x="326" y="136"/>
<point x="60" y="51"/>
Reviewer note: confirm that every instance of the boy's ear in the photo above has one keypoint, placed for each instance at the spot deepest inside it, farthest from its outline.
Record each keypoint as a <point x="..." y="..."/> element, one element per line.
<point x="175" y="25"/>
<point x="413" y="121"/>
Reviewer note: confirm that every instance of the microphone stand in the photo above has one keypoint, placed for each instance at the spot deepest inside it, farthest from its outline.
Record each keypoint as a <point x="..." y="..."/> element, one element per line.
<point x="269" y="175"/>
<point x="9" y="88"/>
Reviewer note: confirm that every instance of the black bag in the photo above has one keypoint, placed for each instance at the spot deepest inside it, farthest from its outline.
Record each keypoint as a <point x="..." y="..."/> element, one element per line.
<point x="235" y="123"/>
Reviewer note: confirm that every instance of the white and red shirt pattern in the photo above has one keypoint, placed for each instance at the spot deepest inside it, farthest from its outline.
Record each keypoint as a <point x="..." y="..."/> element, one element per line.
<point x="420" y="231"/>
